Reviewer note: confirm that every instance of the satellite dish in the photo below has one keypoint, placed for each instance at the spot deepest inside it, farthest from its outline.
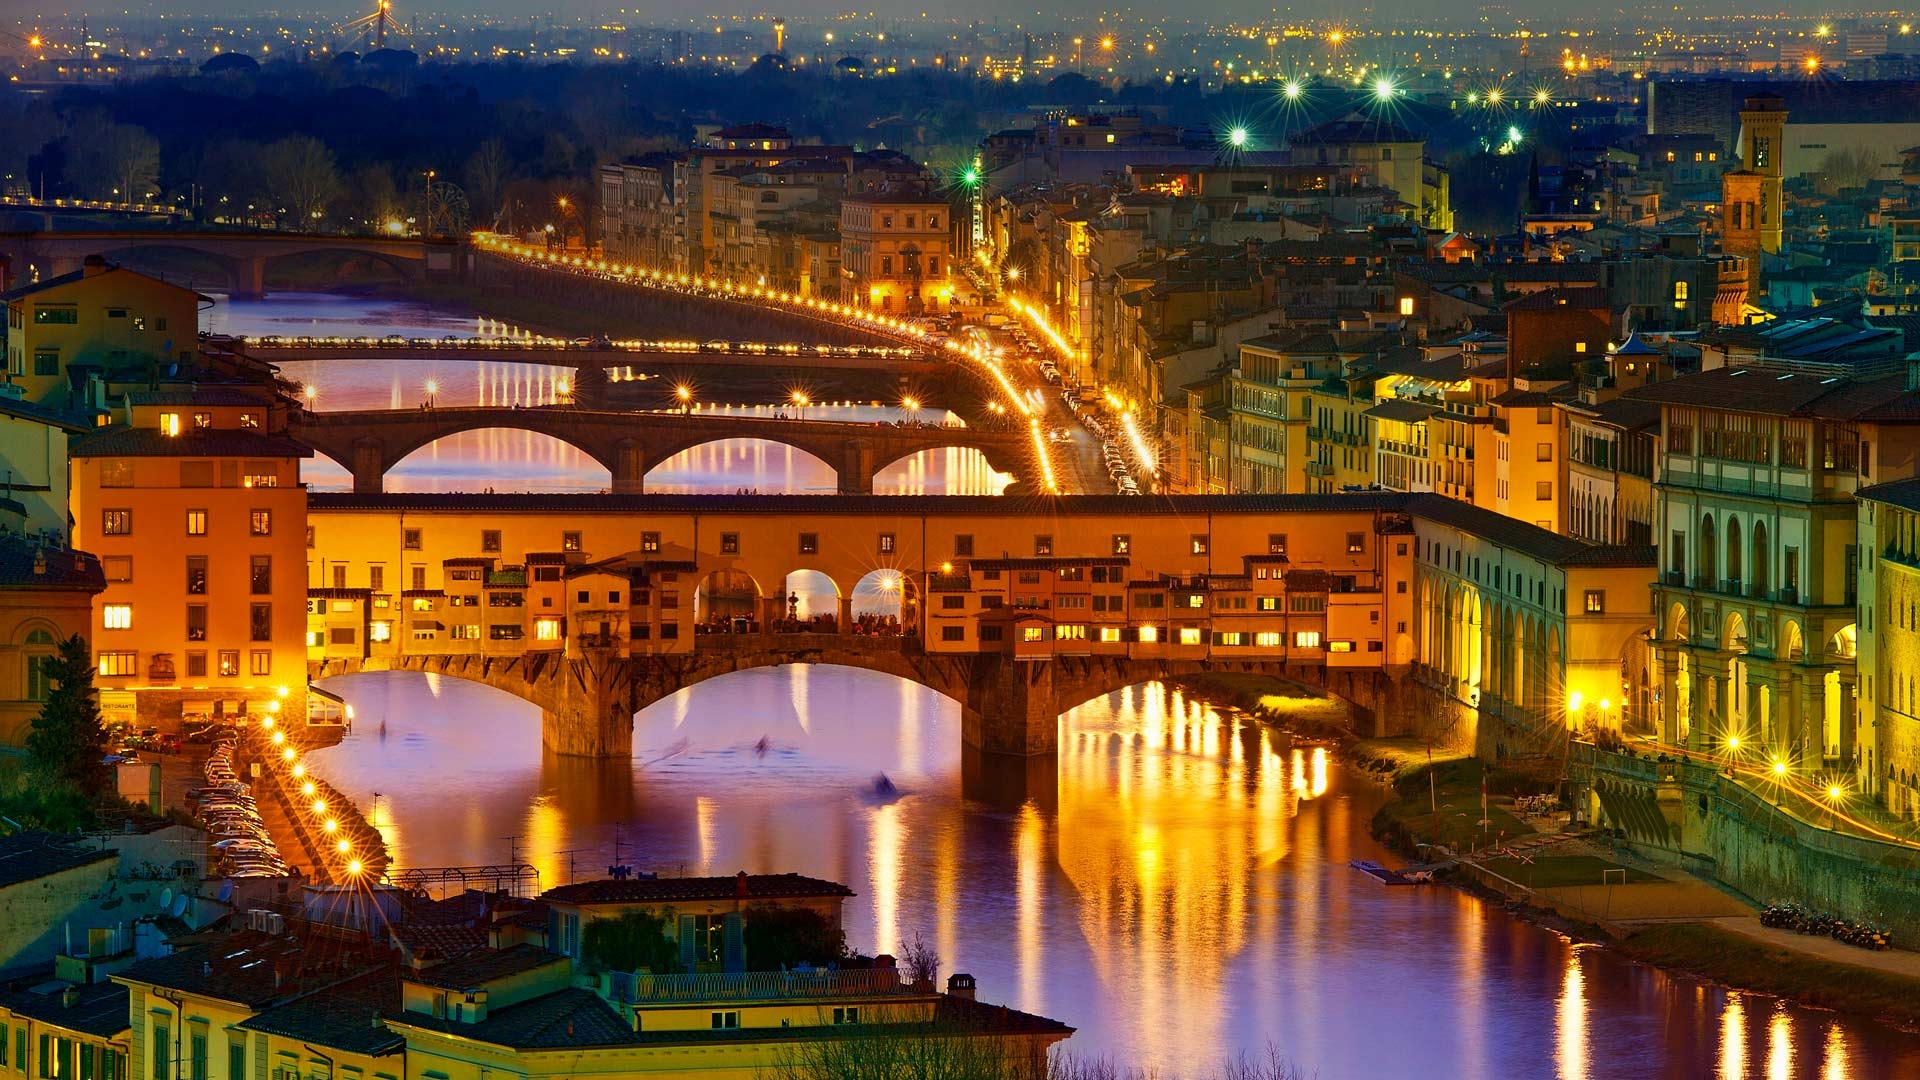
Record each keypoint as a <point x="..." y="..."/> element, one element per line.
<point x="179" y="907"/>
<point x="166" y="897"/>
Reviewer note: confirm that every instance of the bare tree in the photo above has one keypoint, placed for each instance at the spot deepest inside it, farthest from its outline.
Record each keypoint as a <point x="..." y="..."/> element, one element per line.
<point x="112" y="161"/>
<point x="921" y="961"/>
<point x="302" y="177"/>
<point x="486" y="176"/>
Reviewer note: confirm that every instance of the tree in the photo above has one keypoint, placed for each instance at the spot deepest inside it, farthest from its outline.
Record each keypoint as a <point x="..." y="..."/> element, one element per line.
<point x="777" y="938"/>
<point x="634" y="941"/>
<point x="302" y="178"/>
<point x="67" y="741"/>
<point x="106" y="160"/>
<point x="486" y="176"/>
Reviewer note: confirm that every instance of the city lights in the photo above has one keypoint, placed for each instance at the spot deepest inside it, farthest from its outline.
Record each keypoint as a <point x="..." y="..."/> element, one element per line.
<point x="1237" y="137"/>
<point x="1292" y="89"/>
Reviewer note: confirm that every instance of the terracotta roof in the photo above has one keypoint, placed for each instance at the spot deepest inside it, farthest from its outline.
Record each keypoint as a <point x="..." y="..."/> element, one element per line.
<point x="26" y="566"/>
<point x="218" y="442"/>
<point x="476" y="969"/>
<point x="345" y="1016"/>
<point x="668" y="890"/>
<point x="427" y="943"/>
<point x="253" y="969"/>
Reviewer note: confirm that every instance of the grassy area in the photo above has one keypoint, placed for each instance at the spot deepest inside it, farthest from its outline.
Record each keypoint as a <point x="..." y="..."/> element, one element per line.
<point x="1399" y="755"/>
<point x="1742" y="962"/>
<point x="1297" y="708"/>
<point x="1411" y="818"/>
<point x="1551" y="871"/>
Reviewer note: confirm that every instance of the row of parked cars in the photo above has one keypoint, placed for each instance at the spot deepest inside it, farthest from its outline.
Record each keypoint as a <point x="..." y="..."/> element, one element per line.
<point x="1117" y="454"/>
<point x="241" y="845"/>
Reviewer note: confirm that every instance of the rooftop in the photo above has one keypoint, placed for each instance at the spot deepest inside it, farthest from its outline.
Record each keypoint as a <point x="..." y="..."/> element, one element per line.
<point x="24" y="565"/>
<point x="216" y="442"/>
<point x="98" y="1009"/>
<point x="345" y="1016"/>
<point x="669" y="890"/>
<point x="29" y="856"/>
<point x="478" y="968"/>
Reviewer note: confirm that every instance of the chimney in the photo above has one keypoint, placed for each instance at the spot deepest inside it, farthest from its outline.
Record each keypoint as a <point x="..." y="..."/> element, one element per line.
<point x="94" y="266"/>
<point x="69" y="997"/>
<point x="740" y="885"/>
<point x="960" y="986"/>
<point x="40" y="562"/>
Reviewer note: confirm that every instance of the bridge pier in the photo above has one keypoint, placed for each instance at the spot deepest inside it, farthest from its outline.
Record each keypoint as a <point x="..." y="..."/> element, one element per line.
<point x="629" y="467"/>
<point x="1011" y="707"/>
<point x="249" y="279"/>
<point x="369" y="466"/>
<point x="589" y="712"/>
<point x="856" y="468"/>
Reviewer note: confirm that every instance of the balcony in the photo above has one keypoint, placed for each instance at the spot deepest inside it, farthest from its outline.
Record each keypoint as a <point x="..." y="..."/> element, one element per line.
<point x="632" y="989"/>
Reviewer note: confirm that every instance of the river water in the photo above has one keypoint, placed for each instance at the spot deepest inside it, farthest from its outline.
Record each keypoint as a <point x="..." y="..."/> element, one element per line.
<point x="1180" y="894"/>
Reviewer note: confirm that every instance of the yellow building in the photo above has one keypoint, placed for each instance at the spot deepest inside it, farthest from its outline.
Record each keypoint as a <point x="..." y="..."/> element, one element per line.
<point x="896" y="252"/>
<point x="65" y="1030"/>
<point x="67" y="334"/>
<point x="195" y="506"/>
<point x="46" y="597"/>
<point x="33" y="449"/>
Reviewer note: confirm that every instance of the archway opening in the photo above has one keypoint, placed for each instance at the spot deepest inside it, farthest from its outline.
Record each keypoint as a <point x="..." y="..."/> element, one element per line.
<point x="320" y="270"/>
<point x="882" y="603"/>
<point x="346" y="385"/>
<point x="727" y="601"/>
<point x="506" y="459"/>
<point x="811" y="604"/>
<point x="733" y="466"/>
<point x="946" y="470"/>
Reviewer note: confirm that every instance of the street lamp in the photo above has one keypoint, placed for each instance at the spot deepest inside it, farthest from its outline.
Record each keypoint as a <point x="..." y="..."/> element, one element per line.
<point x="685" y="395"/>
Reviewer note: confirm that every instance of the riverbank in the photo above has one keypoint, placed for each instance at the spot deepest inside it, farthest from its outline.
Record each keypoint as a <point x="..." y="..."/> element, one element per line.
<point x="1736" y="960"/>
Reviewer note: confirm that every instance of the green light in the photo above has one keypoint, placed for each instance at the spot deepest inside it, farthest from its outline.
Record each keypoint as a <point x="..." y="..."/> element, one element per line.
<point x="1238" y="137"/>
<point x="970" y="177"/>
<point x="1383" y="90"/>
<point x="1292" y="89"/>
<point x="1513" y="135"/>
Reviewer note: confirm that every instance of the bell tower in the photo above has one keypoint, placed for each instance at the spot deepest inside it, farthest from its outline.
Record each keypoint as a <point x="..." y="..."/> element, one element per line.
<point x="1751" y="202"/>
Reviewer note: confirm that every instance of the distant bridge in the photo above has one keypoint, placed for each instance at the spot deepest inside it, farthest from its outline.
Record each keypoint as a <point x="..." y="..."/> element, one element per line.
<point x="371" y="443"/>
<point x="612" y="355"/>
<point x="244" y="256"/>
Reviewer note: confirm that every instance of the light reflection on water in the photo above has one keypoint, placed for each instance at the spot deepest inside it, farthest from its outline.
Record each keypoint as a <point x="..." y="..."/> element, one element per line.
<point x="1184" y="893"/>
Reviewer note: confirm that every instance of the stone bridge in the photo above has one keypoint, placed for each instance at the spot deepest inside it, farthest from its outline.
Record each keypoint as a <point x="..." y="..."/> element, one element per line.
<point x="1008" y="706"/>
<point x="370" y="443"/>
<point x="243" y="255"/>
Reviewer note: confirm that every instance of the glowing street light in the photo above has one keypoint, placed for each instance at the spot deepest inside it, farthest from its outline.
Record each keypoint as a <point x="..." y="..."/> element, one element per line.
<point x="1493" y="96"/>
<point x="1513" y="135"/>
<point x="330" y="826"/>
<point x="1237" y="137"/>
<point x="345" y="845"/>
<point x="1542" y="97"/>
<point x="1779" y="768"/>
<point x="1383" y="90"/>
<point x="911" y="404"/>
<point x="1292" y="89"/>
<point x="308" y="789"/>
<point x="354" y="867"/>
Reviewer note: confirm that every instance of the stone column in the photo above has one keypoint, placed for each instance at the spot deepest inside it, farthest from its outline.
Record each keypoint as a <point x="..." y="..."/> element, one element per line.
<point x="1010" y="707"/>
<point x="1849" y="711"/>
<point x="845" y="625"/>
<point x="629" y="467"/>
<point x="588" y="709"/>
<point x="1667" y="663"/>
<point x="856" y="468"/>
<point x="369" y="466"/>
<point x="250" y="279"/>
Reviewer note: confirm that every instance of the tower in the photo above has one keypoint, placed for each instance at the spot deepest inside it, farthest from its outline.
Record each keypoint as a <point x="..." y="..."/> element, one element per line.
<point x="1750" y="196"/>
<point x="779" y="35"/>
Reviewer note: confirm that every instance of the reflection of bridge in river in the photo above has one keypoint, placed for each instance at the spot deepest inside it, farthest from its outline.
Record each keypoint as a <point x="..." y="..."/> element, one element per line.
<point x="371" y="443"/>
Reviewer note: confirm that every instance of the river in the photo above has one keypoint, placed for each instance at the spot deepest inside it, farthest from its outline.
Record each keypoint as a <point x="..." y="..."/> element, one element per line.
<point x="1179" y="895"/>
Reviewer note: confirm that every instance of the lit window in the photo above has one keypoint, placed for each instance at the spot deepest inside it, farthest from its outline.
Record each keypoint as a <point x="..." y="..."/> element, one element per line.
<point x="1267" y="639"/>
<point x="1109" y="634"/>
<point x="1189" y="635"/>
<point x="546" y="629"/>
<point x="1406" y="305"/>
<point x="1306" y="639"/>
<point x="117" y="616"/>
<point x="1232" y="637"/>
<point x="1033" y="633"/>
<point x="1149" y="634"/>
<point x="1339" y="646"/>
<point x="1596" y="601"/>
<point x="170" y="423"/>
<point x="118" y="663"/>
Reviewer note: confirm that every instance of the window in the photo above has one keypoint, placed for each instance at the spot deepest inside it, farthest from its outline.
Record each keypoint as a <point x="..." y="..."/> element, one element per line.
<point x="49" y="315"/>
<point x="490" y="540"/>
<point x="1543" y="452"/>
<point x="953" y="633"/>
<point x="1199" y="544"/>
<point x="650" y="542"/>
<point x="886" y="544"/>
<point x="809" y="543"/>
<point x="726" y="1020"/>
<point x="1148" y="633"/>
<point x="1190" y="635"/>
<point x="409" y="539"/>
<point x="196" y="523"/>
<point x="197" y="1055"/>
<point x="504" y="632"/>
<point x="1109" y="634"/>
<point x="260" y="523"/>
<point x="117" y="567"/>
<point x="1596" y="601"/>
<point x="1339" y="646"/>
<point x="546" y="629"/>
<point x="230" y="658"/>
<point x="162" y="1052"/>
<point x="1267" y="639"/>
<point x="118" y="662"/>
<point x="953" y="602"/>
<point x="1406" y="305"/>
<point x="1356" y="543"/>
<point x="848" y="1015"/>
<point x="196" y="575"/>
<point x="46" y="361"/>
<point x="1122" y="544"/>
<point x="1543" y="490"/>
<point x="1033" y="633"/>
<point x="729" y="543"/>
<point x="118" y="473"/>
<point x="1070" y="632"/>
<point x="1306" y="639"/>
<point x="1276" y="543"/>
<point x="1042" y="546"/>
<point x="260" y="575"/>
<point x="117" y="616"/>
<point x="259" y="623"/>
<point x="1269" y="603"/>
<point x="116" y="523"/>
<point x="236" y="1057"/>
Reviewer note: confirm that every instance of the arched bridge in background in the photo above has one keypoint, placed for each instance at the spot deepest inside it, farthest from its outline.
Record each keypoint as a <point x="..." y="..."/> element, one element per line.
<point x="369" y="444"/>
<point x="1008" y="706"/>
<point x="244" y="256"/>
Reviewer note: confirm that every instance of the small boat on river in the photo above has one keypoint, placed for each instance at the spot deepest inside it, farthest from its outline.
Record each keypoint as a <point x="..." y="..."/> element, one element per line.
<point x="1380" y="873"/>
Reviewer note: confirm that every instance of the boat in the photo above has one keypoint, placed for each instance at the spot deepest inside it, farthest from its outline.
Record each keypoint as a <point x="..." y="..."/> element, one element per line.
<point x="1380" y="873"/>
